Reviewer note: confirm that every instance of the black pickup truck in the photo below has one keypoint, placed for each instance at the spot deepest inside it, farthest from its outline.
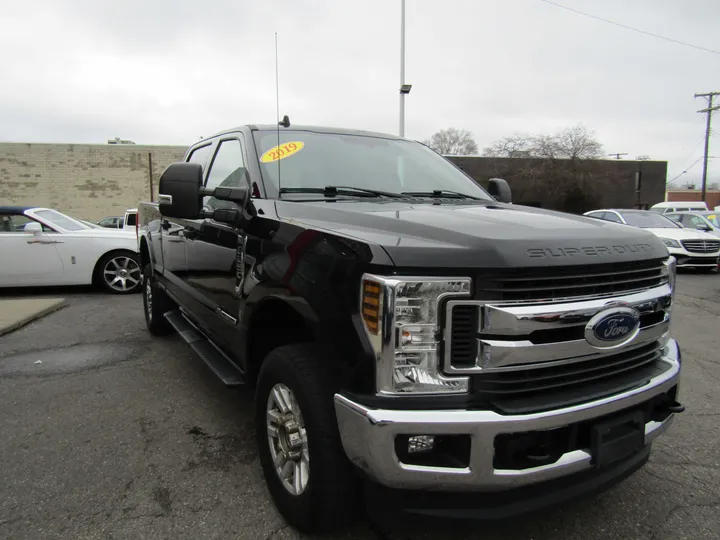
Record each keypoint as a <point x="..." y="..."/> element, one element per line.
<point x="406" y="332"/>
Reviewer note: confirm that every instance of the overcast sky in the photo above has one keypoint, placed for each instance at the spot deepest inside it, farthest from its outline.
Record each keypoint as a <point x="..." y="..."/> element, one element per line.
<point x="167" y="72"/>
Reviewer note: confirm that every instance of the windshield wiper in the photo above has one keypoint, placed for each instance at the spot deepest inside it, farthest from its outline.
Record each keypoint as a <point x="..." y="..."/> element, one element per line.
<point x="332" y="191"/>
<point x="441" y="193"/>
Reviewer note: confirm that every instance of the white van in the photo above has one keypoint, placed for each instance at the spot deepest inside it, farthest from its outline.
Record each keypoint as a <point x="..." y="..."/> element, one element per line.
<point x="678" y="206"/>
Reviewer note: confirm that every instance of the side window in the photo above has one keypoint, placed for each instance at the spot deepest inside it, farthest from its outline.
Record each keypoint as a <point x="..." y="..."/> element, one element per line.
<point x="597" y="215"/>
<point x="14" y="223"/>
<point x="200" y="155"/>
<point x="612" y="217"/>
<point x="695" y="221"/>
<point x="227" y="170"/>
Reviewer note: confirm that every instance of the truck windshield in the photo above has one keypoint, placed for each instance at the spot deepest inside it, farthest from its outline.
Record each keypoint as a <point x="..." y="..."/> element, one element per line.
<point x="316" y="160"/>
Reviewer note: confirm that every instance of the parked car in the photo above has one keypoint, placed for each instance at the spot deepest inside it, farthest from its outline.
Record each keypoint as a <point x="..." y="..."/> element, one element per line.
<point x="129" y="220"/>
<point x="381" y="305"/>
<point x="691" y="248"/>
<point x="90" y="224"/>
<point x="112" y="222"/>
<point x="41" y="246"/>
<point x="702" y="221"/>
<point x="678" y="206"/>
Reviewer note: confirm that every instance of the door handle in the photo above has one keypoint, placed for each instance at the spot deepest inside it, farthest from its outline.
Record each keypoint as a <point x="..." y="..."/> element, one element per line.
<point x="44" y="241"/>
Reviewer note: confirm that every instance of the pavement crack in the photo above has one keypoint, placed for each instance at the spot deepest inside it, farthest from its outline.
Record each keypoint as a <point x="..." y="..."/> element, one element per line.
<point x="9" y="521"/>
<point x="678" y="508"/>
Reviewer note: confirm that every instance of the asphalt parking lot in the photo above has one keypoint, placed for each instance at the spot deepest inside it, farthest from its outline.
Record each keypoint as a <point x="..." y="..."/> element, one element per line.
<point x="109" y="433"/>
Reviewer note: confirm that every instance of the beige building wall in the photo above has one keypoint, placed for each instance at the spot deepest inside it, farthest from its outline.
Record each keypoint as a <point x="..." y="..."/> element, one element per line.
<point x="88" y="181"/>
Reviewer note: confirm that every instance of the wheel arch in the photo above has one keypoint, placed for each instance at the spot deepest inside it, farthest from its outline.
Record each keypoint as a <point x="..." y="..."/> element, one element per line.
<point x="275" y="321"/>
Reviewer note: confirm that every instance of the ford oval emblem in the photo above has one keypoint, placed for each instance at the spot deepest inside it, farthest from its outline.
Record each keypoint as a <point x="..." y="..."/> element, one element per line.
<point x="613" y="327"/>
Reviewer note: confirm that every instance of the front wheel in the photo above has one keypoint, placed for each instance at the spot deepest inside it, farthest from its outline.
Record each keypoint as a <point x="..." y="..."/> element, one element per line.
<point x="155" y="304"/>
<point x="119" y="272"/>
<point x="305" y="468"/>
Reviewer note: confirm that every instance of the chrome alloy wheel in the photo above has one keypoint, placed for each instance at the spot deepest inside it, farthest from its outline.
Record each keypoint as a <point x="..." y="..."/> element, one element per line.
<point x="122" y="273"/>
<point x="287" y="439"/>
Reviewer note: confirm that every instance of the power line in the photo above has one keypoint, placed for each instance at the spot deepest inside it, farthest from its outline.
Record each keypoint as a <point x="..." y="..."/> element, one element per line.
<point x="686" y="170"/>
<point x="671" y="40"/>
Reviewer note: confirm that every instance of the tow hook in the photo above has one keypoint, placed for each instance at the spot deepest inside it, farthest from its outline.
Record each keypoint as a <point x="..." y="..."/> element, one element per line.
<point x="674" y="407"/>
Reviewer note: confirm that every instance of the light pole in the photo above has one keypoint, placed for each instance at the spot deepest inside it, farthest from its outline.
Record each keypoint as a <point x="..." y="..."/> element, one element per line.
<point x="404" y="88"/>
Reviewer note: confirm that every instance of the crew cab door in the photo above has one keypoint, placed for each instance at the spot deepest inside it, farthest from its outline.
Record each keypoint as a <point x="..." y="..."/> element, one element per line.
<point x="173" y="239"/>
<point x="212" y="248"/>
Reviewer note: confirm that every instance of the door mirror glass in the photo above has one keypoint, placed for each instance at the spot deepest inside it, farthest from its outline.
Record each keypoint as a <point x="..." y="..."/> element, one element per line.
<point x="179" y="194"/>
<point x="500" y="189"/>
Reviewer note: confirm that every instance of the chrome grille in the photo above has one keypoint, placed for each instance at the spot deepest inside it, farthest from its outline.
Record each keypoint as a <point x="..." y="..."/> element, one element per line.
<point x="564" y="376"/>
<point x="570" y="282"/>
<point x="701" y="246"/>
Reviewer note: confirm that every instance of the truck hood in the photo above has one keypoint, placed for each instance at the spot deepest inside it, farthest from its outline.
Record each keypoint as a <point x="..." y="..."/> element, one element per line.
<point x="484" y="235"/>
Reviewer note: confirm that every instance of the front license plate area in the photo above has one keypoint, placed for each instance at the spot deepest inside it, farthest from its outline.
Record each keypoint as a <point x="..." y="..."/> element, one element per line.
<point x="617" y="438"/>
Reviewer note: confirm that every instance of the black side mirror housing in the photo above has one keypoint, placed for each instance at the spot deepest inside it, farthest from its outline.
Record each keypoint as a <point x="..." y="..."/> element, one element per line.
<point x="500" y="189"/>
<point x="179" y="194"/>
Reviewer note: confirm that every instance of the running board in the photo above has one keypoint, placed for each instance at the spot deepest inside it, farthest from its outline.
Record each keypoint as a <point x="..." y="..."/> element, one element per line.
<point x="220" y="364"/>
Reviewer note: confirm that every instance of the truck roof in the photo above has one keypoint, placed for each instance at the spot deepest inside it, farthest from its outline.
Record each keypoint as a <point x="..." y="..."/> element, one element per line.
<point x="314" y="129"/>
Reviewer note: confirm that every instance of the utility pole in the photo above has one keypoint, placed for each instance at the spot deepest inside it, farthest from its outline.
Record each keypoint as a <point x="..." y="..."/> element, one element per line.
<point x="402" y="68"/>
<point x="618" y="154"/>
<point x="709" y="96"/>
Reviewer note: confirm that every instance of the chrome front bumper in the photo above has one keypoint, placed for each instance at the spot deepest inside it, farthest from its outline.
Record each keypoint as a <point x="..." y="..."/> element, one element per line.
<point x="368" y="436"/>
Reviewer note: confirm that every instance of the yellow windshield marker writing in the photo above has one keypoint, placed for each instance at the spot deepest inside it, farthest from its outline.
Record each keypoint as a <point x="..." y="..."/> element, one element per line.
<point x="281" y="152"/>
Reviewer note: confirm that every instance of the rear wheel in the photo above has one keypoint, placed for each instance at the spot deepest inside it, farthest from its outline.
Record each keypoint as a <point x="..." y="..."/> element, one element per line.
<point x="305" y="468"/>
<point x="155" y="303"/>
<point x="119" y="272"/>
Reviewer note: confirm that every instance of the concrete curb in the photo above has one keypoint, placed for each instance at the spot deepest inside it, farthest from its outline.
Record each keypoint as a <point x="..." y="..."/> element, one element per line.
<point x="50" y="305"/>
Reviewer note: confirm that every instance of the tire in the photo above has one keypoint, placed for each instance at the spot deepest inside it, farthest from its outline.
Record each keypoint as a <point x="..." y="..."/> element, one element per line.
<point x="155" y="304"/>
<point x="327" y="500"/>
<point x="119" y="272"/>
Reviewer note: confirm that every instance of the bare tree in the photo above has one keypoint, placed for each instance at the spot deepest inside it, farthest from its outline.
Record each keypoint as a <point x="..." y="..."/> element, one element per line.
<point x="517" y="145"/>
<point x="453" y="142"/>
<point x="576" y="142"/>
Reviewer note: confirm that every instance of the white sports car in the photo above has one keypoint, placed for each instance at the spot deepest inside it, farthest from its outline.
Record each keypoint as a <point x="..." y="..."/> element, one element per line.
<point x="41" y="246"/>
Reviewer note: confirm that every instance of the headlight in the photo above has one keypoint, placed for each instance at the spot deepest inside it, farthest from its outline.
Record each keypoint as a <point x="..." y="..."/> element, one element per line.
<point x="402" y="320"/>
<point x="669" y="242"/>
<point x="671" y="271"/>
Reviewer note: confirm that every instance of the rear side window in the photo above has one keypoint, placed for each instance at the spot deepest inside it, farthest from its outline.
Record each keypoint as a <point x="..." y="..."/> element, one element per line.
<point x="200" y="155"/>
<point x="612" y="217"/>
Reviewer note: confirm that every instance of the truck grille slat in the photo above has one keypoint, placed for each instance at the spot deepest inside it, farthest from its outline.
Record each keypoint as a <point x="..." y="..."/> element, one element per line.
<point x="701" y="246"/>
<point x="516" y="383"/>
<point x="464" y="336"/>
<point x="570" y="282"/>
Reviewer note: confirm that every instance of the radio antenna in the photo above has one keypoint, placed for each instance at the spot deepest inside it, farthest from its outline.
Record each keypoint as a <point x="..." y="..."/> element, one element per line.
<point x="277" y="104"/>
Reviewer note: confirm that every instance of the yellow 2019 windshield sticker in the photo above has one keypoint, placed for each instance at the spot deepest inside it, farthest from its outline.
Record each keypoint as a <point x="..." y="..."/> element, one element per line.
<point x="281" y="152"/>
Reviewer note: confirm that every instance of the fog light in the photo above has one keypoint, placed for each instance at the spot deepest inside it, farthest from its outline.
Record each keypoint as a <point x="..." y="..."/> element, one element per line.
<point x="420" y="443"/>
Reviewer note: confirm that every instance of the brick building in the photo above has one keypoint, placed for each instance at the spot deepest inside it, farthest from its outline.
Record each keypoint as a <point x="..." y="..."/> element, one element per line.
<point x="712" y="196"/>
<point x="88" y="181"/>
<point x="573" y="185"/>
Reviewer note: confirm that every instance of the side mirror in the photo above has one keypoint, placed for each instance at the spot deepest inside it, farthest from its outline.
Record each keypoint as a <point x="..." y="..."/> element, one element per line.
<point x="500" y="189"/>
<point x="179" y="194"/>
<point x="33" y="227"/>
<point x="703" y="227"/>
